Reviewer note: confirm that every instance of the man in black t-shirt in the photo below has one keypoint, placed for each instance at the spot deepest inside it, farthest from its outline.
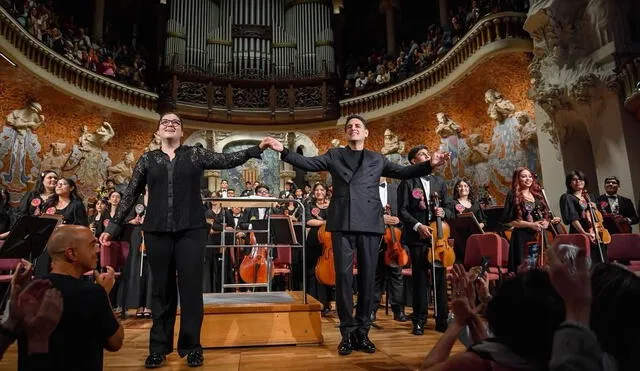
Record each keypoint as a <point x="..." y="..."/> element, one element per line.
<point x="88" y="324"/>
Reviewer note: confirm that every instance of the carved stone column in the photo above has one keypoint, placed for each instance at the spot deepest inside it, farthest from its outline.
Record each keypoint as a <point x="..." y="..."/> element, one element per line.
<point x="98" y="20"/>
<point x="580" y="119"/>
<point x="387" y="7"/>
<point x="312" y="178"/>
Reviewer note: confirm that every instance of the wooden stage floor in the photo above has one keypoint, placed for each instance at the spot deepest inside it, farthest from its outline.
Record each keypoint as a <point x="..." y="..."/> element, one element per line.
<point x="397" y="350"/>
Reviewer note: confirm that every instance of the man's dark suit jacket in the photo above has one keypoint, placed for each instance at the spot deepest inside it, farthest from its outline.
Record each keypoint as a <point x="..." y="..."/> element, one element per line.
<point x="409" y="209"/>
<point x="355" y="204"/>
<point x="625" y="207"/>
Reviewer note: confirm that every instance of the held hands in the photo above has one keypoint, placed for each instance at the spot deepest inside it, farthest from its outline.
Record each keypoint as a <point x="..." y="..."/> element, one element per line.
<point x="439" y="158"/>
<point x="106" y="280"/>
<point x="274" y="144"/>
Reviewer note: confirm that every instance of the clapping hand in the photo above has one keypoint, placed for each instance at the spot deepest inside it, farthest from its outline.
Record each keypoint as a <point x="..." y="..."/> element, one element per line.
<point x="464" y="296"/>
<point x="573" y="285"/>
<point x="107" y="279"/>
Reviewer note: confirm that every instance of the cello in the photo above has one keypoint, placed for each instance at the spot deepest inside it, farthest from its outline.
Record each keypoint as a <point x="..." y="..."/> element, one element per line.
<point x="325" y="269"/>
<point x="255" y="265"/>
<point x="601" y="234"/>
<point x="441" y="250"/>
<point x="394" y="255"/>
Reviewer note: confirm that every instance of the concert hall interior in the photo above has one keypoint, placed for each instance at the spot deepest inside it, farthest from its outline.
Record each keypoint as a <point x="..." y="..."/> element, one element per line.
<point x="510" y="125"/>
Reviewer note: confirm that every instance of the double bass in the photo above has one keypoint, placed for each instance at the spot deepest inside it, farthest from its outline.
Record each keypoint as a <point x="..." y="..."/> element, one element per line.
<point x="394" y="255"/>
<point x="441" y="250"/>
<point x="325" y="269"/>
<point x="255" y="265"/>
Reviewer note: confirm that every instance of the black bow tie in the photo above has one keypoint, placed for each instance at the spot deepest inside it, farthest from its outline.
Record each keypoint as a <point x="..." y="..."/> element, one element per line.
<point x="383" y="185"/>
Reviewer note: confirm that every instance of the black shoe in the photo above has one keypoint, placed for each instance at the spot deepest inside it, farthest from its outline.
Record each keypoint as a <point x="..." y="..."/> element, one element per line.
<point x="325" y="311"/>
<point x="155" y="360"/>
<point x="364" y="344"/>
<point x="418" y="328"/>
<point x="195" y="358"/>
<point x="373" y="318"/>
<point x="346" y="346"/>
<point x="400" y="316"/>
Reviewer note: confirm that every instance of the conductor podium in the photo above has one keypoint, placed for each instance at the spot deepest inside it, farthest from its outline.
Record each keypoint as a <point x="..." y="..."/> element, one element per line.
<point x="259" y="316"/>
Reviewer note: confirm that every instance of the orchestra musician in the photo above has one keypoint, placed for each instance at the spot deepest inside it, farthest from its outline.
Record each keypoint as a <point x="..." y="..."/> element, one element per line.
<point x="416" y="214"/>
<point x="526" y="212"/>
<point x="464" y="201"/>
<point x="316" y="216"/>
<point x="355" y="220"/>
<point x="574" y="208"/>
<point x="612" y="203"/>
<point x="392" y="275"/>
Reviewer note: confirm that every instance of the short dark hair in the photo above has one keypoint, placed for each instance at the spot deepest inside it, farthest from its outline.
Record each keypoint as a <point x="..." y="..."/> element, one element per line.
<point x="262" y="186"/>
<point x="613" y="177"/>
<point x="414" y="151"/>
<point x="570" y="175"/>
<point x="168" y="113"/>
<point x="357" y="117"/>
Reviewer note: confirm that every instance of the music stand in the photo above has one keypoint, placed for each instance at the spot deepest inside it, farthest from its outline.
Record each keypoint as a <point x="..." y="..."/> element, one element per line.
<point x="282" y="230"/>
<point x="494" y="219"/>
<point x="28" y="237"/>
<point x="464" y="225"/>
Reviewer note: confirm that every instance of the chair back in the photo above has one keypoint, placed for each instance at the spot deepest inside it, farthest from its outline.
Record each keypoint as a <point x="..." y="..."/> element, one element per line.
<point x="479" y="245"/>
<point x="284" y="256"/>
<point x="579" y="240"/>
<point x="8" y="264"/>
<point x="624" y="246"/>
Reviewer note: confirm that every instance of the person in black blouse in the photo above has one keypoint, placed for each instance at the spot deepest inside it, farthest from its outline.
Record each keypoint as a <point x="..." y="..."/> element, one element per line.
<point x="316" y="216"/>
<point x="175" y="234"/>
<point x="67" y="203"/>
<point x="526" y="211"/>
<point x="574" y="208"/>
<point x="464" y="201"/>
<point x="32" y="201"/>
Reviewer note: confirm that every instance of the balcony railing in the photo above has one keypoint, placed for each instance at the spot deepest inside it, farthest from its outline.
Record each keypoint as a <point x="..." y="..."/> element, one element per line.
<point x="59" y="70"/>
<point x="489" y="34"/>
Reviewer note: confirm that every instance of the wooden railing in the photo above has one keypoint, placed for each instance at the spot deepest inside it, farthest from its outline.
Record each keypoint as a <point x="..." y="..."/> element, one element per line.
<point x="63" y="69"/>
<point x="489" y="30"/>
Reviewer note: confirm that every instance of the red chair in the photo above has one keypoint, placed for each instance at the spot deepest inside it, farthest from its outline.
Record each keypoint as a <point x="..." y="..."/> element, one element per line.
<point x="115" y="255"/>
<point x="579" y="240"/>
<point x="625" y="247"/>
<point x="282" y="265"/>
<point x="490" y="245"/>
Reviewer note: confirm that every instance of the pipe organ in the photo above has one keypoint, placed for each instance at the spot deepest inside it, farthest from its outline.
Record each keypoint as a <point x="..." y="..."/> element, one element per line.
<point x="251" y="39"/>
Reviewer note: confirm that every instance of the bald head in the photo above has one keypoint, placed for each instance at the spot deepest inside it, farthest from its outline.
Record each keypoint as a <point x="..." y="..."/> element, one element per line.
<point x="68" y="236"/>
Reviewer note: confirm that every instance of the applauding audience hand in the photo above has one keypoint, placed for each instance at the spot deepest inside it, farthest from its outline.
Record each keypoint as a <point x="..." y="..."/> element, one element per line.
<point x="106" y="280"/>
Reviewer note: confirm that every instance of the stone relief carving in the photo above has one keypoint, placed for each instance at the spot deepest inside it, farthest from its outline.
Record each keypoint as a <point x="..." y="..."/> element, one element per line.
<point x="155" y="143"/>
<point x="565" y="78"/>
<point x="55" y="158"/>
<point x="335" y="143"/>
<point x="121" y="172"/>
<point x="393" y="147"/>
<point x="499" y="107"/>
<point x="19" y="139"/>
<point x="88" y="160"/>
<point x="449" y="133"/>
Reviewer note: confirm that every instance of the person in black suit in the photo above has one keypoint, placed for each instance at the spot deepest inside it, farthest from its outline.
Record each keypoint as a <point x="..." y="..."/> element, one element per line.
<point x="392" y="275"/>
<point x="416" y="213"/>
<point x="612" y="203"/>
<point x="355" y="220"/>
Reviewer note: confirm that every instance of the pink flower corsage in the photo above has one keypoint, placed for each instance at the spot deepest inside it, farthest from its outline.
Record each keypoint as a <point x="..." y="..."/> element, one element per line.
<point x="36" y="202"/>
<point x="51" y="210"/>
<point x="105" y="223"/>
<point x="315" y="211"/>
<point x="604" y="204"/>
<point x="417" y="193"/>
<point x="460" y="208"/>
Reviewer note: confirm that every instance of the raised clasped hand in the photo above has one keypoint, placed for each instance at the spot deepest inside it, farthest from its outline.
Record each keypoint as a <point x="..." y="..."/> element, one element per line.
<point x="274" y="144"/>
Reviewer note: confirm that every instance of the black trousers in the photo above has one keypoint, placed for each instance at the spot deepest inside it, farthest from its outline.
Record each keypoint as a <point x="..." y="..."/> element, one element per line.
<point x="170" y="252"/>
<point x="393" y="278"/>
<point x="345" y="244"/>
<point x="420" y="268"/>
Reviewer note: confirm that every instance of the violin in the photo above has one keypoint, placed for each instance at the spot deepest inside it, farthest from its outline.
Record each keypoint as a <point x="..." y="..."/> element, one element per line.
<point x="601" y="234"/>
<point x="255" y="265"/>
<point x="394" y="255"/>
<point x="441" y="250"/>
<point x="325" y="267"/>
<point x="554" y="229"/>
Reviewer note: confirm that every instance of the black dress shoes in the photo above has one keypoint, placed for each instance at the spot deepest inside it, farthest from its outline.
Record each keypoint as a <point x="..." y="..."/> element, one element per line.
<point x="418" y="328"/>
<point x="441" y="326"/>
<point x="346" y="345"/>
<point x="400" y="316"/>
<point x="155" y="360"/>
<point x="363" y="344"/>
<point x="195" y="358"/>
<point x="325" y="311"/>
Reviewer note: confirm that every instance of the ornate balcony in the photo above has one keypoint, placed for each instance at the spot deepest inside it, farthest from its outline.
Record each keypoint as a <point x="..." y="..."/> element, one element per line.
<point x="63" y="74"/>
<point x="629" y="76"/>
<point x="497" y="33"/>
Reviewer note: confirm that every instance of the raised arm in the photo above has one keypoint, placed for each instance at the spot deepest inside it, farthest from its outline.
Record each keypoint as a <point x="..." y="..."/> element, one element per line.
<point x="317" y="163"/>
<point x="393" y="170"/>
<point x="130" y="196"/>
<point x="206" y="159"/>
